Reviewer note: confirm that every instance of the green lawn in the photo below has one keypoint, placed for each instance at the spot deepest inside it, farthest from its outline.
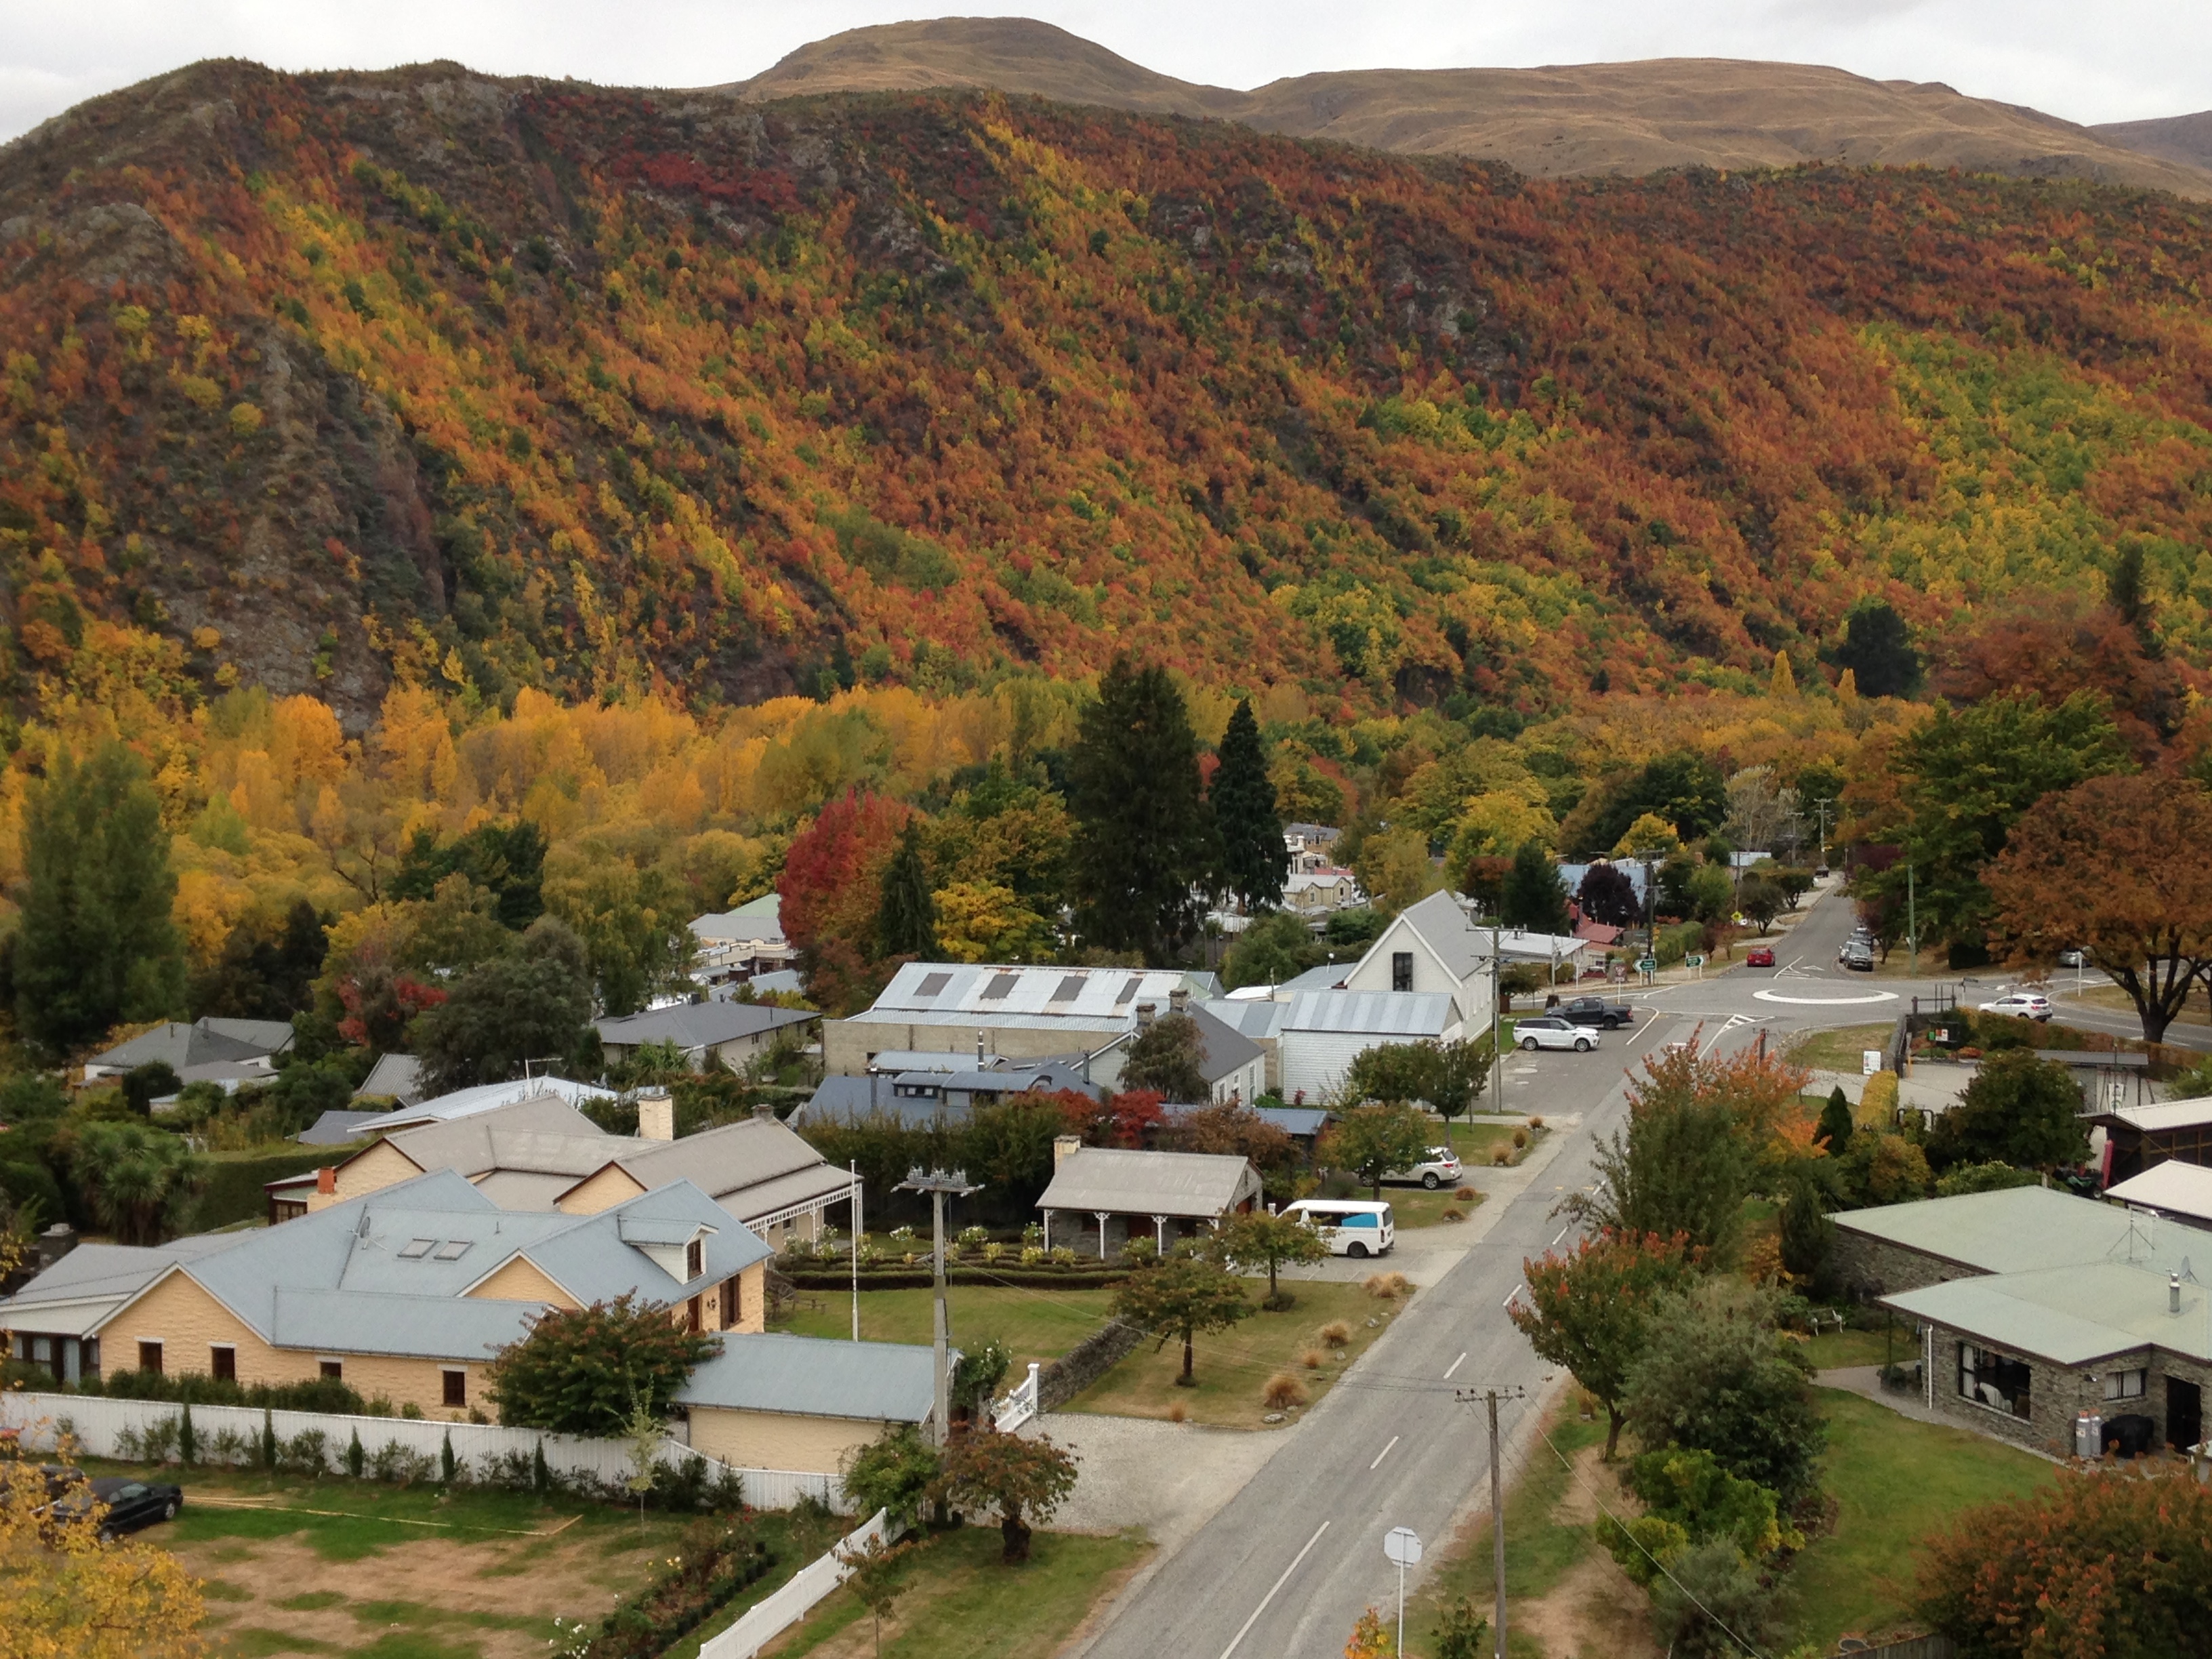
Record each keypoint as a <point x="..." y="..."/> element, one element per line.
<point x="1834" y="1350"/>
<point x="1895" y="1481"/>
<point x="1233" y="1367"/>
<point x="1839" y="1050"/>
<point x="1034" y="1323"/>
<point x="964" y="1603"/>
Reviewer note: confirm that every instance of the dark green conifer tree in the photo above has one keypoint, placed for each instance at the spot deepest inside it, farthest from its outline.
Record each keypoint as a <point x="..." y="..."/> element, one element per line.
<point x="1834" y="1129"/>
<point x="1144" y="839"/>
<point x="1252" y="859"/>
<point x="1533" y="897"/>
<point x="906" y="921"/>
<point x="96" y="944"/>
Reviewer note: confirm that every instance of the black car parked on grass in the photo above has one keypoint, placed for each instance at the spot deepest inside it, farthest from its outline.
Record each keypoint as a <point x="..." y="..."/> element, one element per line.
<point x="131" y="1502"/>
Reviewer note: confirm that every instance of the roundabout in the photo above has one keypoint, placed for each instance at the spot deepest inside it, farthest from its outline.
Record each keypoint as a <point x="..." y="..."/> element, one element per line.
<point x="1825" y="1002"/>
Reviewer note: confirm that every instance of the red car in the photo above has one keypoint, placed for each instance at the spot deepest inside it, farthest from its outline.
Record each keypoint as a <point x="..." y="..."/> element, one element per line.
<point x="1759" y="956"/>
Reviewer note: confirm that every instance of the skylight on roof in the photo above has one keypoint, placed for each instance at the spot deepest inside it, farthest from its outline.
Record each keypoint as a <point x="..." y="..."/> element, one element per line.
<point x="1128" y="990"/>
<point x="452" y="1249"/>
<point x="1001" y="985"/>
<point x="415" y="1249"/>
<point x="1068" y="989"/>
<point x="932" y="984"/>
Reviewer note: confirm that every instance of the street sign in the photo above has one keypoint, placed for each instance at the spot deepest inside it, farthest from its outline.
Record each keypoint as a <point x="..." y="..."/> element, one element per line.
<point x="1402" y="1547"/>
<point x="1693" y="960"/>
<point x="1869" y="1061"/>
<point x="1647" y="964"/>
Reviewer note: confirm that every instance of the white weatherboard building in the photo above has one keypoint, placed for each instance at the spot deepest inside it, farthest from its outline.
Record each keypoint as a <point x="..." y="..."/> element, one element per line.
<point x="1322" y="1032"/>
<point x="1430" y="947"/>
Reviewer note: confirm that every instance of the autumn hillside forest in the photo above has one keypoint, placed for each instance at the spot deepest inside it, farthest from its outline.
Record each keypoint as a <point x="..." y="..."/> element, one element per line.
<point x="431" y="501"/>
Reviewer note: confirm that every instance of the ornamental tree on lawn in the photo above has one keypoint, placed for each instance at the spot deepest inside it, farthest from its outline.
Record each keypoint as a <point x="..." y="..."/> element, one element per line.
<point x="1023" y="1479"/>
<point x="1181" y="1298"/>
<point x="1256" y="1237"/>
<point x="1371" y="1141"/>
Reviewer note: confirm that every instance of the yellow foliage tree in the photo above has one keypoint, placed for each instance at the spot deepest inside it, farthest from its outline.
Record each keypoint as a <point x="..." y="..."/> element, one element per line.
<point x="1650" y="833"/>
<point x="1784" y="684"/>
<point x="983" y="921"/>
<point x="1370" y="1638"/>
<point x="65" y="1594"/>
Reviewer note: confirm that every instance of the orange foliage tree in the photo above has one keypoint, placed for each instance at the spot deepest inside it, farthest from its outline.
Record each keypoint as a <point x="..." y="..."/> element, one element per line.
<point x="831" y="886"/>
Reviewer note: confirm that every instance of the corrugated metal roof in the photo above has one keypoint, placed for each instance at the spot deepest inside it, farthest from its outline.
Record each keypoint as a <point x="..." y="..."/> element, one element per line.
<point x="489" y="1096"/>
<point x="2173" y="1187"/>
<point x="1255" y="1018"/>
<point x="814" y="1377"/>
<point x="399" y="1076"/>
<point x="343" y="1323"/>
<point x="2071" y="1314"/>
<point x="1410" y="1015"/>
<point x="700" y="1024"/>
<point x="1128" y="1182"/>
<point x="2172" y="1114"/>
<point x="2015" y="1230"/>
<point x="976" y="990"/>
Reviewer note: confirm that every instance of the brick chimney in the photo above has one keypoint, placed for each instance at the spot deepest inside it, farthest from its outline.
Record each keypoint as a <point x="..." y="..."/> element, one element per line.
<point x="327" y="1181"/>
<point x="1145" y="1012"/>
<point x="656" y="1116"/>
<point x="1062" y="1146"/>
<point x="1179" y="1000"/>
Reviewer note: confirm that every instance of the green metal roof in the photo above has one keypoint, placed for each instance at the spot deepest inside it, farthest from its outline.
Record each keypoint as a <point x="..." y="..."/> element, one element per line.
<point x="2072" y="1314"/>
<point x="2016" y="1230"/>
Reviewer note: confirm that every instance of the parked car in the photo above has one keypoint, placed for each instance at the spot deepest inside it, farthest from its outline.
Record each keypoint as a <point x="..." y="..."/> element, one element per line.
<point x="2026" y="1004"/>
<point x="131" y="1502"/>
<point x="1857" y="956"/>
<point x="1552" y="1031"/>
<point x="1439" y="1169"/>
<point x="1349" y="1226"/>
<point x="1759" y="956"/>
<point x="1595" y="1011"/>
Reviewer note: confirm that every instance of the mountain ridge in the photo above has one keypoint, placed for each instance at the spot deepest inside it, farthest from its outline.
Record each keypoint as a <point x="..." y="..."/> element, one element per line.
<point x="1556" y="120"/>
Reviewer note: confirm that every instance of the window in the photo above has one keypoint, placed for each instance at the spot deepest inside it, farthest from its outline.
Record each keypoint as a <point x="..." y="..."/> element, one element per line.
<point x="223" y="1362"/>
<point x="694" y="1258"/>
<point x="1128" y="990"/>
<point x="149" y="1357"/>
<point x="333" y="1368"/>
<point x="693" y="1319"/>
<point x="1988" y="1379"/>
<point x="456" y="1392"/>
<point x="2126" y="1385"/>
<point x="1068" y="989"/>
<point x="415" y="1249"/>
<point x="733" y="1304"/>
<point x="1402" y="971"/>
<point x="1001" y="987"/>
<point x="932" y="984"/>
<point x="452" y="1249"/>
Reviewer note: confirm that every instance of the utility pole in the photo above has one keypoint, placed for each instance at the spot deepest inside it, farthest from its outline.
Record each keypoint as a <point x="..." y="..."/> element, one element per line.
<point x="1912" y="921"/>
<point x="937" y="1183"/>
<point x="1489" y="1397"/>
<point x="1497" y="1059"/>
<point x="1822" y="807"/>
<point x="855" y="1168"/>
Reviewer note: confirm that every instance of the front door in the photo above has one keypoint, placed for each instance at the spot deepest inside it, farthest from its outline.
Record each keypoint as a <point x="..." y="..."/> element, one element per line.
<point x="2184" y="1414"/>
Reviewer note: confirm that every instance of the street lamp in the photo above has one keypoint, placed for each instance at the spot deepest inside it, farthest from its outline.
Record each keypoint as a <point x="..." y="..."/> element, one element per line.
<point x="937" y="1183"/>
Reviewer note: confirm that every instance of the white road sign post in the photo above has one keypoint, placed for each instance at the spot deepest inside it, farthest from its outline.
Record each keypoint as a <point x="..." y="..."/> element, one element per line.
<point x="1403" y="1546"/>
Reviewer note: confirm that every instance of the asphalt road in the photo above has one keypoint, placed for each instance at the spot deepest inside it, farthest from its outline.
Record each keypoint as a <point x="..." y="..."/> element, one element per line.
<point x="1284" y="1570"/>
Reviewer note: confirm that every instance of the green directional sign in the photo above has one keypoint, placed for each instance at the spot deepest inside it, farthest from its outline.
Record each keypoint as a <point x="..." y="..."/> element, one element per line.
<point x="1647" y="964"/>
<point x="1693" y="960"/>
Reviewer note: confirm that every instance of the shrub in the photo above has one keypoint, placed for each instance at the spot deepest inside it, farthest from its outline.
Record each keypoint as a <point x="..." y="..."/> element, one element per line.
<point x="1386" y="1287"/>
<point x="1284" y="1392"/>
<point x="1466" y="1194"/>
<point x="1453" y="1212"/>
<point x="1336" y="1333"/>
<point x="1501" y="1155"/>
<point x="1536" y="1122"/>
<point x="1140" y="1250"/>
<point x="1878" y="1102"/>
<point x="398" y="1465"/>
<point x="1520" y="1138"/>
<point x="1177" y="1412"/>
<point x="974" y="1238"/>
<point x="1064" y="1255"/>
<point x="307" y="1452"/>
<point x="1311" y="1358"/>
<point x="995" y="1252"/>
<point x="355" y="1457"/>
<point x="228" y="1449"/>
<point x="1031" y="1255"/>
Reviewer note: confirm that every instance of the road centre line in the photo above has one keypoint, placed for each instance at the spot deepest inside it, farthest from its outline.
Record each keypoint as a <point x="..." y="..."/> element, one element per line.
<point x="1561" y="1234"/>
<point x="1518" y="1288"/>
<point x="1380" y="1455"/>
<point x="1456" y="1364"/>
<point x="1246" y="1630"/>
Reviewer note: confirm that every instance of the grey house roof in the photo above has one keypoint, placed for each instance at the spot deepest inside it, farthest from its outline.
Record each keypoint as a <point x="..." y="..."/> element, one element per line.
<point x="814" y="1377"/>
<point x="1408" y="1015"/>
<point x="753" y="1168"/>
<point x="2170" y="1115"/>
<point x="1222" y="1048"/>
<point x="399" y="1076"/>
<point x="1126" y="1183"/>
<point x="972" y="994"/>
<point x="692" y="1026"/>
<point x="2171" y="1187"/>
<point x="2071" y="1315"/>
<point x="2016" y="1230"/>
<point x="389" y="1272"/>
<point x="489" y="1096"/>
<point x="759" y="919"/>
<point x="204" y="1043"/>
<point x="1444" y="929"/>
<point x="1326" y="977"/>
<point x="338" y="1128"/>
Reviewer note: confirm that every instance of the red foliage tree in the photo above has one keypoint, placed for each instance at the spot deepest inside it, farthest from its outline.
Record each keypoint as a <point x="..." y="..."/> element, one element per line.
<point x="831" y="886"/>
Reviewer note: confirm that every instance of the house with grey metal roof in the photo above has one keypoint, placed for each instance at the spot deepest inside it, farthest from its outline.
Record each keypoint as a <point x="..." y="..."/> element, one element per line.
<point x="2180" y="1191"/>
<point x="1232" y="1065"/>
<point x="769" y="1397"/>
<point x="185" y="1047"/>
<point x="732" y="1033"/>
<point x="397" y="1078"/>
<point x="742" y="942"/>
<point x="1430" y="947"/>
<point x="485" y="1097"/>
<point x="1322" y="1032"/>
<point x="1022" y="1013"/>
<point x="2035" y="1311"/>
<point x="1098" y="1194"/>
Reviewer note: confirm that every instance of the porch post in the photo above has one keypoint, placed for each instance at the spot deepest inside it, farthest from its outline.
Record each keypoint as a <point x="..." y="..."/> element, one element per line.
<point x="1102" y="1215"/>
<point x="1160" y="1234"/>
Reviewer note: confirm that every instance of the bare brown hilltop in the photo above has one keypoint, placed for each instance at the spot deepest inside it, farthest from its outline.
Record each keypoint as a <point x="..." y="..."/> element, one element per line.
<point x="1591" y="119"/>
<point x="2184" y="138"/>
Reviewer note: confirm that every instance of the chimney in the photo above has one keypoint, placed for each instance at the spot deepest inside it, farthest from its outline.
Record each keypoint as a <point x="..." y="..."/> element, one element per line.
<point x="1179" y="1000"/>
<point x="2174" y="1293"/>
<point x="656" y="1116"/>
<point x="327" y="1181"/>
<point x="56" y="1241"/>
<point x="1062" y="1146"/>
<point x="979" y="1051"/>
<point x="1145" y="1011"/>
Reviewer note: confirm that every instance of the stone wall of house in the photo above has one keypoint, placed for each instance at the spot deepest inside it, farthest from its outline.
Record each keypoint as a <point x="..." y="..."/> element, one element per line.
<point x="1870" y="1267"/>
<point x="2057" y="1394"/>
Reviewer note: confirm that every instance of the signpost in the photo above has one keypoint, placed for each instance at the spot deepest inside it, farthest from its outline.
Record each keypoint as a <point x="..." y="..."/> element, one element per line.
<point x="1695" y="961"/>
<point x="1647" y="966"/>
<point x="1403" y="1546"/>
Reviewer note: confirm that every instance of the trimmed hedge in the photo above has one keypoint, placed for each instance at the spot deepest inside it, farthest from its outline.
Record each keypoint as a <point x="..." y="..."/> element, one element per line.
<point x="903" y="1277"/>
<point x="235" y="1180"/>
<point x="714" y="1561"/>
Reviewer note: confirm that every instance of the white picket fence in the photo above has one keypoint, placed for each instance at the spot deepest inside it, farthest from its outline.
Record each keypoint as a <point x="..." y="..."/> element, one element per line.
<point x="105" y="1427"/>
<point x="1019" y="1406"/>
<point x="793" y="1601"/>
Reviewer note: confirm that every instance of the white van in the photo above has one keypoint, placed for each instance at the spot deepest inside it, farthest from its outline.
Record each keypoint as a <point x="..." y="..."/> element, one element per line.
<point x="1350" y="1226"/>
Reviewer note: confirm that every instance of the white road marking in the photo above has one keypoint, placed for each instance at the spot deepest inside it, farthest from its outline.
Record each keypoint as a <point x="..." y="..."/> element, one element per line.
<point x="1270" y="1595"/>
<point x="1380" y="1455"/>
<point x="1825" y="1002"/>
<point x="1563" y="1233"/>
<point x="1518" y="1288"/>
<point x="1456" y="1364"/>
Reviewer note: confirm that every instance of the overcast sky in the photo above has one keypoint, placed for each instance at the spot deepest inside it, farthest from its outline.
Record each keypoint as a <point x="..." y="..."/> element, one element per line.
<point x="2087" y="60"/>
